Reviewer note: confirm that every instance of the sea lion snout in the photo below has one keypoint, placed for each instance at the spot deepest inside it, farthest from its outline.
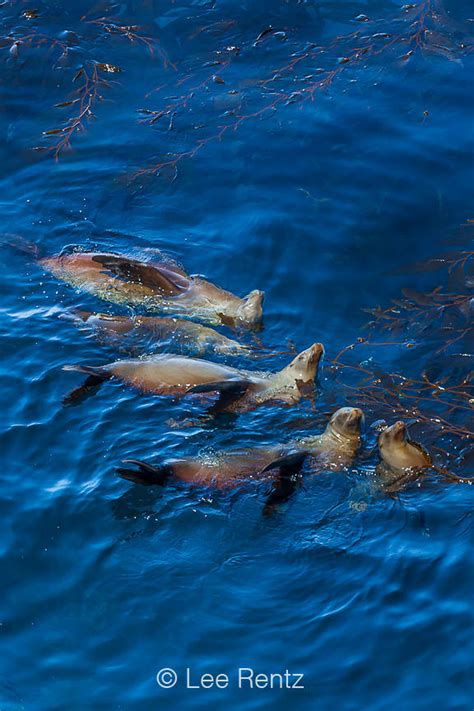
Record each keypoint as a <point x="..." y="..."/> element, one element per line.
<point x="355" y="417"/>
<point x="305" y="366"/>
<point x="348" y="421"/>
<point x="311" y="356"/>
<point x="251" y="312"/>
<point x="395" y="433"/>
<point x="316" y="352"/>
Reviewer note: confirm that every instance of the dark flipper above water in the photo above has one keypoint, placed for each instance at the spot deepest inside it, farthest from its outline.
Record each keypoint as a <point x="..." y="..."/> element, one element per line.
<point x="282" y="491"/>
<point x="146" y="474"/>
<point x="158" y="278"/>
<point x="287" y="481"/>
<point x="88" y="387"/>
<point x="96" y="376"/>
<point x="289" y="463"/>
<point x="229" y="391"/>
<point x="233" y="387"/>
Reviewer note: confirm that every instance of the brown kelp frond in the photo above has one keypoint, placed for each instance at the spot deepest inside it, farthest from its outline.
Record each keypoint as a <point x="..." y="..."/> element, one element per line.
<point x="444" y="313"/>
<point x="421" y="29"/>
<point x="302" y="71"/>
<point x="445" y="403"/>
<point x="15" y="43"/>
<point x="438" y="393"/>
<point x="132" y="33"/>
<point x="433" y="31"/>
<point x="91" y="84"/>
<point x="25" y="37"/>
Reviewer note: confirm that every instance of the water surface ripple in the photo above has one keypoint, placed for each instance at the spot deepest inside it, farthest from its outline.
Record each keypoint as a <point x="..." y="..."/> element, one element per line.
<point x="315" y="163"/>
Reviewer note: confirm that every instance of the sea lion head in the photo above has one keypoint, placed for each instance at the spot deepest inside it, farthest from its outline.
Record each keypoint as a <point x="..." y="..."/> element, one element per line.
<point x="347" y="422"/>
<point x="396" y="433"/>
<point x="304" y="367"/>
<point x="250" y="313"/>
<point x="399" y="452"/>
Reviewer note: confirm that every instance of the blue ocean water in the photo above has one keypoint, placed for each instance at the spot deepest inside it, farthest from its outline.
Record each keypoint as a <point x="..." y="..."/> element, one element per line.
<point x="298" y="148"/>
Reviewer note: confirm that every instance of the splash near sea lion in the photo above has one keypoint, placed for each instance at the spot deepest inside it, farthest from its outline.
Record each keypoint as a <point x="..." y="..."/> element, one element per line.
<point x="239" y="390"/>
<point x="334" y="449"/>
<point x="156" y="285"/>
<point x="154" y="333"/>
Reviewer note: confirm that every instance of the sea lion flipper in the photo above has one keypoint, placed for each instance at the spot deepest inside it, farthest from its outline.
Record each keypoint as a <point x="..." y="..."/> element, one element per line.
<point x="286" y="482"/>
<point x="88" y="387"/>
<point x="226" y="320"/>
<point x="234" y="388"/>
<point x="146" y="474"/>
<point x="229" y="392"/>
<point x="289" y="463"/>
<point x="95" y="377"/>
<point x="158" y="258"/>
<point x="159" y="278"/>
<point x="89" y="369"/>
<point x="282" y="490"/>
<point x="20" y="244"/>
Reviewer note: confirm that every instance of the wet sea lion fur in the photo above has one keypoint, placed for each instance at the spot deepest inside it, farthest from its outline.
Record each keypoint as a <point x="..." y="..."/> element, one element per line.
<point x="157" y="284"/>
<point x="155" y="332"/>
<point x="334" y="449"/>
<point x="239" y="390"/>
<point x="403" y="460"/>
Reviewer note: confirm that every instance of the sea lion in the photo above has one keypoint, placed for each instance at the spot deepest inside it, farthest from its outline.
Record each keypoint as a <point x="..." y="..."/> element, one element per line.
<point x="403" y="461"/>
<point x="157" y="285"/>
<point x="240" y="390"/>
<point x="156" y="332"/>
<point x="400" y="453"/>
<point x="335" y="448"/>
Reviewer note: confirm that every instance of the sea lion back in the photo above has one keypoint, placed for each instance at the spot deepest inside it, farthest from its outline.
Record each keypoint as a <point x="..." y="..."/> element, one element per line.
<point x="170" y="370"/>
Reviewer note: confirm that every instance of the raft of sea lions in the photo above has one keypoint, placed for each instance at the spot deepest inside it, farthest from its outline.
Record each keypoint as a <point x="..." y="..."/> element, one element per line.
<point x="157" y="284"/>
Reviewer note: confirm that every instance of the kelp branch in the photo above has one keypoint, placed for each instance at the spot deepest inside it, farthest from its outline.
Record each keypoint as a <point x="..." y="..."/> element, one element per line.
<point x="445" y="315"/>
<point x="134" y="34"/>
<point x="440" y="403"/>
<point x="82" y="103"/>
<point x="309" y="70"/>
